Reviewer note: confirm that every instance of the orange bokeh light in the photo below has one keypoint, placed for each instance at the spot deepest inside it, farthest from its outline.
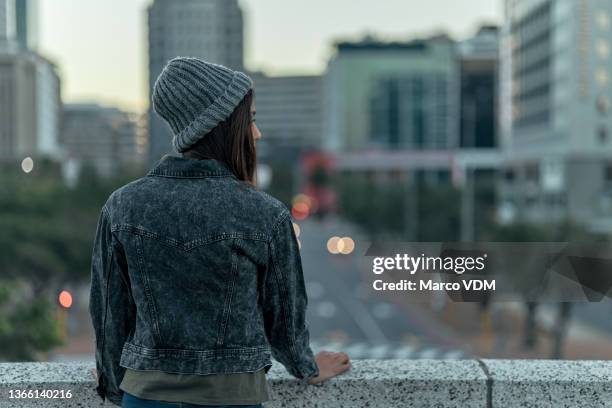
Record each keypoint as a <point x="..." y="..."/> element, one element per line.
<point x="65" y="299"/>
<point x="348" y="245"/>
<point x="337" y="245"/>
<point x="332" y="245"/>
<point x="300" y="210"/>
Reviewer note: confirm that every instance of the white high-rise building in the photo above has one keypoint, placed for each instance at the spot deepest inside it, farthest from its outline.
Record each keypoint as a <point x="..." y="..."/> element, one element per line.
<point x="207" y="29"/>
<point x="556" y="118"/>
<point x="7" y="22"/>
<point x="30" y="106"/>
<point x="26" y="23"/>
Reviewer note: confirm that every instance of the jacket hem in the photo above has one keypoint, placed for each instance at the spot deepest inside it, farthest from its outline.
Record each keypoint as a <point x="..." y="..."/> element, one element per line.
<point x="202" y="362"/>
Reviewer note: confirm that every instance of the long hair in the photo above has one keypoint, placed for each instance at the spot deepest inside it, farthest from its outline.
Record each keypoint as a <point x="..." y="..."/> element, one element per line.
<point x="231" y="142"/>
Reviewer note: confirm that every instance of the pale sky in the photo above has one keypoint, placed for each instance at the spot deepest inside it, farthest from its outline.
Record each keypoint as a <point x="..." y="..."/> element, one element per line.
<point x="99" y="46"/>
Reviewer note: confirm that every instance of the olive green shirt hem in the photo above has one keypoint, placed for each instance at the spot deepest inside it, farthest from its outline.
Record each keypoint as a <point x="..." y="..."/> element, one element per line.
<point x="214" y="389"/>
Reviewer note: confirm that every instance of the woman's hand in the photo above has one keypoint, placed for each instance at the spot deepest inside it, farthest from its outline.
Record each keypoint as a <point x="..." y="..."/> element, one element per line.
<point x="94" y="372"/>
<point x="330" y="365"/>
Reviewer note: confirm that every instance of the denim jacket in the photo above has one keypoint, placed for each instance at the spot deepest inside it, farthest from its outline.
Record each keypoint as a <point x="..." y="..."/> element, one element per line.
<point x="196" y="272"/>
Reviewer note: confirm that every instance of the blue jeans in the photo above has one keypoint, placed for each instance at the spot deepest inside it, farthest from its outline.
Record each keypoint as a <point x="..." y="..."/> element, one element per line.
<point x="131" y="401"/>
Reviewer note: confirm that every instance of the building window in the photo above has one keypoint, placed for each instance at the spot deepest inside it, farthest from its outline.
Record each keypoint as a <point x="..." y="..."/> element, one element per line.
<point x="603" y="20"/>
<point x="603" y="137"/>
<point x="603" y="105"/>
<point x="602" y="77"/>
<point x="603" y="49"/>
<point x="608" y="173"/>
<point x="532" y="172"/>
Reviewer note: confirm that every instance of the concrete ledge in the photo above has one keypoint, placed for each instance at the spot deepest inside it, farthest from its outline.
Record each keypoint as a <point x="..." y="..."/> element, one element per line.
<point x="551" y="383"/>
<point x="372" y="383"/>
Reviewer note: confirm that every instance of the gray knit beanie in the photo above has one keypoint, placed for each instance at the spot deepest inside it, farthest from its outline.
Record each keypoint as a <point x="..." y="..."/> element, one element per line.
<point x="194" y="96"/>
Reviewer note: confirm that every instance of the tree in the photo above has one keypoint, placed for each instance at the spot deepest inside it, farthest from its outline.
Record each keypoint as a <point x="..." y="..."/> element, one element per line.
<point x="46" y="236"/>
<point x="522" y="231"/>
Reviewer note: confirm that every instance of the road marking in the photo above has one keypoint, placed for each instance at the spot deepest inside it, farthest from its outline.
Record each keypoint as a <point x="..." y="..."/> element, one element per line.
<point x="454" y="355"/>
<point x="326" y="309"/>
<point x="382" y="310"/>
<point x="404" y="352"/>
<point x="379" y="351"/>
<point x="356" y="350"/>
<point x="315" y="290"/>
<point x="428" y="353"/>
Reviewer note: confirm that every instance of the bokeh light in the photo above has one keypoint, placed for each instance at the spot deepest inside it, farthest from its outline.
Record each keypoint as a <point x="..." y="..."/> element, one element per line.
<point x="296" y="229"/>
<point x="303" y="205"/>
<point x="27" y="164"/>
<point x="300" y="211"/>
<point x="65" y="299"/>
<point x="348" y="245"/>
<point x="337" y="245"/>
<point x="332" y="244"/>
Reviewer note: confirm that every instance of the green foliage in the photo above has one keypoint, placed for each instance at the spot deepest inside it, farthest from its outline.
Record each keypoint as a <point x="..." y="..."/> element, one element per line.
<point x="400" y="210"/>
<point x="46" y="236"/>
<point x="439" y="213"/>
<point x="523" y="231"/>
<point x="26" y="327"/>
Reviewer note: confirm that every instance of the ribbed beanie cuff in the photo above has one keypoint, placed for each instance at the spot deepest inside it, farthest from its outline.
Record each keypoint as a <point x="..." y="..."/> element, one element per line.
<point x="193" y="96"/>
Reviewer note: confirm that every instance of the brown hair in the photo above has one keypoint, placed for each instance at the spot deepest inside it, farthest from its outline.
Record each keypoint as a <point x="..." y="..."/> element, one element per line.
<point x="231" y="142"/>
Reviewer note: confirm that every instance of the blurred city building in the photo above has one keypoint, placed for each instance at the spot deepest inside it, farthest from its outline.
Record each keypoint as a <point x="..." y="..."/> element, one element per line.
<point x="30" y="102"/>
<point x="555" y="111"/>
<point x="289" y="113"/>
<point x="418" y="115"/>
<point x="7" y="23"/>
<point x="478" y="65"/>
<point x="26" y="23"/>
<point x="398" y="95"/>
<point x="104" y="137"/>
<point x="208" y="29"/>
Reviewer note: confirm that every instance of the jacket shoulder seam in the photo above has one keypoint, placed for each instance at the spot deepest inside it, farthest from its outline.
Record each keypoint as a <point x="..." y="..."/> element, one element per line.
<point x="277" y="222"/>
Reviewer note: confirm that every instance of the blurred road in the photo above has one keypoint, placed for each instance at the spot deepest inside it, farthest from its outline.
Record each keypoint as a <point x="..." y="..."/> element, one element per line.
<point x="341" y="313"/>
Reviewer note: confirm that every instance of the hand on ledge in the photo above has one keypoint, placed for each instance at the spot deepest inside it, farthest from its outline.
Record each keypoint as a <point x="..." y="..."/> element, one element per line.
<point x="330" y="365"/>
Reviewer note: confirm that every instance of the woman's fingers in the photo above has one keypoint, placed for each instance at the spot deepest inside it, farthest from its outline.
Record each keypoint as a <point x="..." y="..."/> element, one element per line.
<point x="343" y="368"/>
<point x="342" y="357"/>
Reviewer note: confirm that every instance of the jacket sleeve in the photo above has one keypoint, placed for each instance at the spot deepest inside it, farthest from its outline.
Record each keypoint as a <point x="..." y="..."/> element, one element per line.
<point x="285" y="301"/>
<point x="111" y="308"/>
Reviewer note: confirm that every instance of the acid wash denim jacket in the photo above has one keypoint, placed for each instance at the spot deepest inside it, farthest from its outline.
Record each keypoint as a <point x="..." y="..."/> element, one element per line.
<point x="196" y="272"/>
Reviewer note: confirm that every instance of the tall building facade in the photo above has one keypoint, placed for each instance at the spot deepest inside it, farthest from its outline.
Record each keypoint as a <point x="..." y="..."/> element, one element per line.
<point x="7" y="22"/>
<point x="478" y="70"/>
<point x="30" y="106"/>
<point x="289" y="111"/>
<point x="555" y="110"/>
<point x="391" y="95"/>
<point x="207" y="29"/>
<point x="26" y="23"/>
<point x="104" y="137"/>
<point x="30" y="100"/>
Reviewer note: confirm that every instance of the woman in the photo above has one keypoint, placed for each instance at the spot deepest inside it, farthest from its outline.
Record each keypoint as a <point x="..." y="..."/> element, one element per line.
<point x="196" y="275"/>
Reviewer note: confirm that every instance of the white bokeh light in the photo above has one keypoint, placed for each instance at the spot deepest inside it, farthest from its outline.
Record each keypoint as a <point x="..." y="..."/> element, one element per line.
<point x="27" y="164"/>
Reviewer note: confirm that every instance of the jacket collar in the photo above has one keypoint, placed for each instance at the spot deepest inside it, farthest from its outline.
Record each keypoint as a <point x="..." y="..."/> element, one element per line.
<point x="183" y="167"/>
